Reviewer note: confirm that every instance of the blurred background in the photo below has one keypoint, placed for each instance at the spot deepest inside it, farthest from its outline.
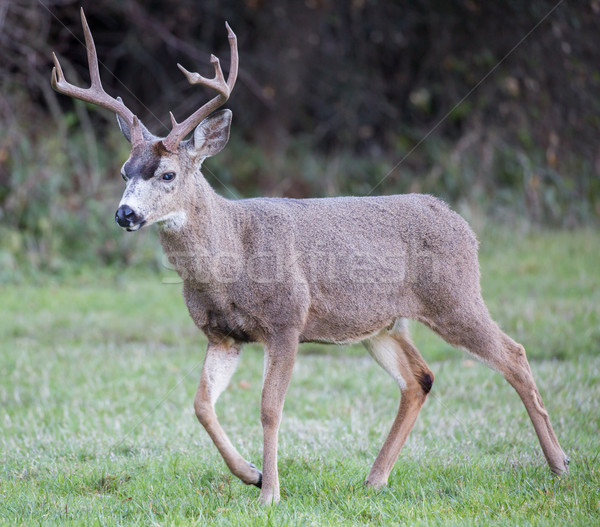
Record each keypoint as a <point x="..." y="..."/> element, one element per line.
<point x="332" y="98"/>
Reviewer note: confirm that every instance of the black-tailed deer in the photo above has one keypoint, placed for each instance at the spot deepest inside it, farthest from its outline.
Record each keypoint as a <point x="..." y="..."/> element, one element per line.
<point x="284" y="271"/>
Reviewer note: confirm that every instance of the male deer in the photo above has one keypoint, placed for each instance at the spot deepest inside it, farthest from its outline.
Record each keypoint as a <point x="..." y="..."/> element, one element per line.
<point x="284" y="271"/>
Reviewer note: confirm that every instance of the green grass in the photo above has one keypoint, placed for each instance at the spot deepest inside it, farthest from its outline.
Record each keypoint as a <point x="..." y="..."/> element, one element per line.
<point x="97" y="427"/>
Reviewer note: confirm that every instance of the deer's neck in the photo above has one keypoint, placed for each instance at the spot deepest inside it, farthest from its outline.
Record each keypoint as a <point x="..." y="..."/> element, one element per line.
<point x="196" y="238"/>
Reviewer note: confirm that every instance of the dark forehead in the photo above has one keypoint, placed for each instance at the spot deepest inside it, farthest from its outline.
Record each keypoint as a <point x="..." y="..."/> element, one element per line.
<point x="144" y="160"/>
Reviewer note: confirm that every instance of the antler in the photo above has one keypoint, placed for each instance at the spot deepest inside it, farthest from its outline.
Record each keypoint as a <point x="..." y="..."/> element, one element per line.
<point x="95" y="94"/>
<point x="180" y="130"/>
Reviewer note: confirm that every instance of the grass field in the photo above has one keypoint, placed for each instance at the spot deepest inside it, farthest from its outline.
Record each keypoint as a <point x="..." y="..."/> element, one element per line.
<point x="97" y="427"/>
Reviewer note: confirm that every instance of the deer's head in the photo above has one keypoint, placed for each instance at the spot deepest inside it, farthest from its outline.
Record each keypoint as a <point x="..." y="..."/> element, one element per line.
<point x="158" y="169"/>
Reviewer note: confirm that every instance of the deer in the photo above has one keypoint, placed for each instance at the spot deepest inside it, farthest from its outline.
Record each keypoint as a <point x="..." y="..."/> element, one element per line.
<point x="283" y="271"/>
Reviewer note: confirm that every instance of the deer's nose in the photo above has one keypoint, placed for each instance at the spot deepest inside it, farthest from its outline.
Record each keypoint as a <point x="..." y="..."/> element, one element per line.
<point x="125" y="217"/>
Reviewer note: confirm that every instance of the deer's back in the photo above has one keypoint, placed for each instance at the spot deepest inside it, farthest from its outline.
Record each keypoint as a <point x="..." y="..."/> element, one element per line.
<point x="367" y="259"/>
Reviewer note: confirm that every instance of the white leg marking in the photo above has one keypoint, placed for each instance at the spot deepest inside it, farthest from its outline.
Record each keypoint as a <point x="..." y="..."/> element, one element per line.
<point x="218" y="370"/>
<point x="384" y="349"/>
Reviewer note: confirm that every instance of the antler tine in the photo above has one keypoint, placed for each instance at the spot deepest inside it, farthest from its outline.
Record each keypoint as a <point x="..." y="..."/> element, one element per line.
<point x="234" y="61"/>
<point x="218" y="83"/>
<point x="92" y="56"/>
<point x="95" y="94"/>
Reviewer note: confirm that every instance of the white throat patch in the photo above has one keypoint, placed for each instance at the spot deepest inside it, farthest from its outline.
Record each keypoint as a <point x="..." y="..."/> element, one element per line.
<point x="173" y="221"/>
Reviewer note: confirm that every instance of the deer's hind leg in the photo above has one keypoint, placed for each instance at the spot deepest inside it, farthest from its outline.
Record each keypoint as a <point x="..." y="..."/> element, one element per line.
<point x="396" y="354"/>
<point x="472" y="328"/>
<point x="219" y="366"/>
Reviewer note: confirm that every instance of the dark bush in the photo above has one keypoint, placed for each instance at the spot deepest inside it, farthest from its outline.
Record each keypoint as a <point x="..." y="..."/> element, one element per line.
<point x="491" y="103"/>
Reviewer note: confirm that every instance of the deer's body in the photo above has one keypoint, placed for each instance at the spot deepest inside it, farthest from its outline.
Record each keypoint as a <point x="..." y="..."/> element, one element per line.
<point x="336" y="269"/>
<point x="281" y="271"/>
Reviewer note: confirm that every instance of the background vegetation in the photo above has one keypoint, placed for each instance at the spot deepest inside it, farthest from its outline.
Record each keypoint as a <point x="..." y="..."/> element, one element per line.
<point x="333" y="98"/>
<point x="493" y="106"/>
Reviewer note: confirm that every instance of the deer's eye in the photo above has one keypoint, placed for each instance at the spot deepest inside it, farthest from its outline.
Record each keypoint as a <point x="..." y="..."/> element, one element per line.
<point x="168" y="176"/>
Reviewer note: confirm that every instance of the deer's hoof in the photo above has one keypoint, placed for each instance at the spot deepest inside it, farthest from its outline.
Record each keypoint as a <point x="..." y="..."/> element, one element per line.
<point x="259" y="482"/>
<point x="561" y="470"/>
<point x="268" y="498"/>
<point x="376" y="481"/>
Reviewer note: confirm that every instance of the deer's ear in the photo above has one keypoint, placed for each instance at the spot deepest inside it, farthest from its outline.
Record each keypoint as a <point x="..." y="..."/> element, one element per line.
<point x="148" y="136"/>
<point x="124" y="127"/>
<point x="212" y="134"/>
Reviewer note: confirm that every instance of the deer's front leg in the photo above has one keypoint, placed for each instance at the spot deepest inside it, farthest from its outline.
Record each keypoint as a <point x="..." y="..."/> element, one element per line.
<point x="279" y="363"/>
<point x="219" y="365"/>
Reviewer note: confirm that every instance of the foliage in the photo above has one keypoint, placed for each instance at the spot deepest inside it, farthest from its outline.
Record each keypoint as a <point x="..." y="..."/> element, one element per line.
<point x="333" y="98"/>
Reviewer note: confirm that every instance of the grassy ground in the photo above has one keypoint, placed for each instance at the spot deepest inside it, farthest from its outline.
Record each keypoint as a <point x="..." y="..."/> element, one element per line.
<point x="99" y="372"/>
